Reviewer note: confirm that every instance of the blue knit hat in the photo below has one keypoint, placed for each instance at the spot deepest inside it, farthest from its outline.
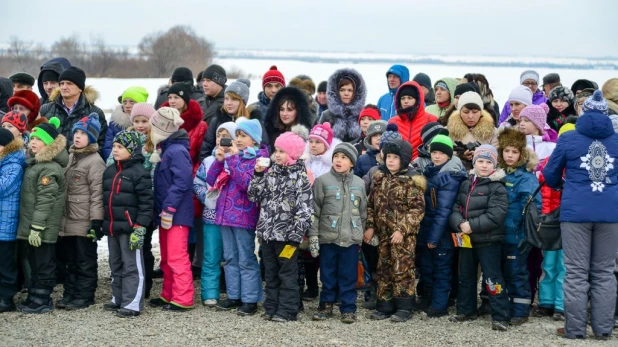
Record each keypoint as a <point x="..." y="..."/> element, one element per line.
<point x="391" y="134"/>
<point x="596" y="102"/>
<point x="90" y="125"/>
<point x="253" y="129"/>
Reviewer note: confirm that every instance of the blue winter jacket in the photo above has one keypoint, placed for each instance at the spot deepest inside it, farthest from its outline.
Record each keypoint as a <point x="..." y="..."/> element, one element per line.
<point x="12" y="164"/>
<point x="365" y="162"/>
<point x="520" y="185"/>
<point x="173" y="180"/>
<point x="386" y="103"/>
<point x="442" y="188"/>
<point x="587" y="157"/>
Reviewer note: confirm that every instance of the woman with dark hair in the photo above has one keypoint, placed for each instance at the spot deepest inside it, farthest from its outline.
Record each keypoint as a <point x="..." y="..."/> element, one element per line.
<point x="346" y="94"/>
<point x="490" y="105"/>
<point x="287" y="108"/>
<point x="560" y="102"/>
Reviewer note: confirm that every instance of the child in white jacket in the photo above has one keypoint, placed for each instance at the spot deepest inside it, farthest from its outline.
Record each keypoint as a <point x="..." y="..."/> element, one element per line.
<point x="533" y="123"/>
<point x="319" y="150"/>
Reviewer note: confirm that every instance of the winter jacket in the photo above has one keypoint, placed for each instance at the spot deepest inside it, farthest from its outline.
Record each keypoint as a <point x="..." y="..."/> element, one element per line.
<point x="436" y="110"/>
<point x="537" y="99"/>
<point x="483" y="202"/>
<point x="200" y="188"/>
<point x="484" y="132"/>
<point x="286" y="202"/>
<point x="542" y="148"/>
<point x="344" y="118"/>
<point x="520" y="184"/>
<point x="262" y="106"/>
<point x="320" y="164"/>
<point x="173" y="180"/>
<point x="234" y="208"/>
<point x="85" y="106"/>
<point x="557" y="119"/>
<point x="120" y="121"/>
<point x="12" y="164"/>
<point x="6" y="91"/>
<point x="550" y="197"/>
<point x="196" y="94"/>
<point x="365" y="162"/>
<point x="147" y="164"/>
<point x="127" y="196"/>
<point x="211" y="106"/>
<point x="57" y="65"/>
<point x="43" y="191"/>
<point x="321" y="109"/>
<point x="84" y="202"/>
<point x="303" y="114"/>
<point x="442" y="187"/>
<point x="396" y="202"/>
<point x="410" y="124"/>
<point x="386" y="103"/>
<point x="339" y="209"/>
<point x="589" y="156"/>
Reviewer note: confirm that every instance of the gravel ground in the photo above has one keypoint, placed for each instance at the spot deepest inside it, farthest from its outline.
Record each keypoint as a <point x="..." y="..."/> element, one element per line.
<point x="206" y="327"/>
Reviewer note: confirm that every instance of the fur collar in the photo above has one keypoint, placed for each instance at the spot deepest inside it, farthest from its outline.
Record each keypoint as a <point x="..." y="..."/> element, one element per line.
<point x="332" y="94"/>
<point x="120" y="118"/>
<point x="192" y="115"/>
<point x="92" y="148"/>
<point x="90" y="95"/>
<point x="13" y="146"/>
<point x="528" y="160"/>
<point x="496" y="176"/>
<point x="50" y="152"/>
<point x="482" y="132"/>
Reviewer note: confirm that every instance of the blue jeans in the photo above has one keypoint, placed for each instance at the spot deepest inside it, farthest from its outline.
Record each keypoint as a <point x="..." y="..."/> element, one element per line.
<point x="242" y="271"/>
<point x="515" y="271"/>
<point x="211" y="265"/>
<point x="339" y="274"/>
<point x="436" y="273"/>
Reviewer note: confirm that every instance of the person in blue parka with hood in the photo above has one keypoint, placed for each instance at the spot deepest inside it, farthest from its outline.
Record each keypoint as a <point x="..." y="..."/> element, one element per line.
<point x="588" y="219"/>
<point x="395" y="76"/>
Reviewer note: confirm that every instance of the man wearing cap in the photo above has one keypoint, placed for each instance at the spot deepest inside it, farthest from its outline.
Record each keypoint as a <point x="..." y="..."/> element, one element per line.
<point x="22" y="81"/>
<point x="530" y="79"/>
<point x="213" y="81"/>
<point x="551" y="81"/>
<point x="321" y="98"/>
<point x="72" y="102"/>
<point x="395" y="76"/>
<point x="49" y="75"/>
<point x="180" y="74"/>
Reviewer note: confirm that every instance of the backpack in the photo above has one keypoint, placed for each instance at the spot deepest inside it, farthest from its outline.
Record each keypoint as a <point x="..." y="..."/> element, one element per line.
<point x="541" y="230"/>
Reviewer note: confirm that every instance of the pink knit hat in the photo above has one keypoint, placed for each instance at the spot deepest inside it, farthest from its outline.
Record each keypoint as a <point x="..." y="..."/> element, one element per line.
<point x="322" y="133"/>
<point x="537" y="114"/>
<point x="293" y="143"/>
<point x="142" y="109"/>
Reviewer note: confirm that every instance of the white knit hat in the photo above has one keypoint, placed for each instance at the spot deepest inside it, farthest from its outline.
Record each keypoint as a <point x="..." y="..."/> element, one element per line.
<point x="529" y="75"/>
<point x="164" y="123"/>
<point x="469" y="98"/>
<point x="521" y="94"/>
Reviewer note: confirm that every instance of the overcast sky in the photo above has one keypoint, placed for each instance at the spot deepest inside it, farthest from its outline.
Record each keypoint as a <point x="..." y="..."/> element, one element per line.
<point x="558" y="28"/>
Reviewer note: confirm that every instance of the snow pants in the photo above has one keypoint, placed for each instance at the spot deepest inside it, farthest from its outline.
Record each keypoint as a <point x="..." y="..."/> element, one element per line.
<point x="242" y="271"/>
<point x="211" y="264"/>
<point x="177" y="277"/>
<point x="128" y="273"/>
<point x="551" y="294"/>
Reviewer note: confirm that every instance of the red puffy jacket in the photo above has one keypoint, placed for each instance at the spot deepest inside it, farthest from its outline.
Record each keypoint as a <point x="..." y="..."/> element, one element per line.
<point x="410" y="126"/>
<point x="551" y="197"/>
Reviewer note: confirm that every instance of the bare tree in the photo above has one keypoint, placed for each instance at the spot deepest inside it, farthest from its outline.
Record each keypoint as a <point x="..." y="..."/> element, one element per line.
<point x="70" y="48"/>
<point x="20" y="52"/>
<point x="102" y="58"/>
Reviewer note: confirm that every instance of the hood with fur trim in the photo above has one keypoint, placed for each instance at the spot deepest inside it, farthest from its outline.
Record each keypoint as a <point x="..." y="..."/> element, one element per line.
<point x="56" y="151"/>
<point x="192" y="115"/>
<point x="345" y="117"/>
<point x="90" y="94"/>
<point x="303" y="112"/>
<point x="497" y="176"/>
<point x="17" y="145"/>
<point x="482" y="132"/>
<point x="120" y="118"/>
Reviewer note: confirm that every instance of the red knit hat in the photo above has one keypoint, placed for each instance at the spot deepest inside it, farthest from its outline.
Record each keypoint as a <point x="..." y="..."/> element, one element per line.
<point x="369" y="112"/>
<point x="29" y="100"/>
<point x="17" y="119"/>
<point x="323" y="133"/>
<point x="273" y="76"/>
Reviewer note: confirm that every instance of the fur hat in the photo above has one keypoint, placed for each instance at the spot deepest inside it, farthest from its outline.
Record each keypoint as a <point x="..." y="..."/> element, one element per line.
<point x="182" y="74"/>
<point x="164" y="123"/>
<point x="230" y="127"/>
<point x="75" y="75"/>
<point x="513" y="138"/>
<point x="181" y="89"/>
<point x="90" y="125"/>
<point x="442" y="143"/>
<point x="47" y="132"/>
<point x="137" y="94"/>
<point x="142" y="109"/>
<point x="17" y="119"/>
<point x="375" y="128"/>
<point x="347" y="149"/>
<point x="129" y="140"/>
<point x="216" y="74"/>
<point x="293" y="143"/>
<point x="391" y="134"/>
<point x="369" y="111"/>
<point x="596" y="102"/>
<point x="470" y="98"/>
<point x="6" y="136"/>
<point x="241" y="88"/>
<point x="323" y="133"/>
<point x="273" y="76"/>
<point x="610" y="93"/>
<point x="529" y="75"/>
<point x="562" y="93"/>
<point x="400" y="148"/>
<point x="537" y="114"/>
<point x="29" y="100"/>
<point x="487" y="152"/>
<point x="304" y="83"/>
<point x="521" y="94"/>
<point x="253" y="129"/>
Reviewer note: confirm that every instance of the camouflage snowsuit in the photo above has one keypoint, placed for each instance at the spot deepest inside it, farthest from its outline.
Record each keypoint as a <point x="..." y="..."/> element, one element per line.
<point x="396" y="203"/>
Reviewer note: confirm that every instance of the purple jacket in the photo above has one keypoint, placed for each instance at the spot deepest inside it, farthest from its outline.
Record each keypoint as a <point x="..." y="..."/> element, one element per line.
<point x="173" y="180"/>
<point x="233" y="206"/>
<point x="537" y="99"/>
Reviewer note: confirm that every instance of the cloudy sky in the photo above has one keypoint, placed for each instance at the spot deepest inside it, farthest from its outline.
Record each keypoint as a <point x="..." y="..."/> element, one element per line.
<point x="564" y="28"/>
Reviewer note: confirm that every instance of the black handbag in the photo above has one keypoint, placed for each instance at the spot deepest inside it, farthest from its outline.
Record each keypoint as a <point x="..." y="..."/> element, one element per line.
<point x="541" y="230"/>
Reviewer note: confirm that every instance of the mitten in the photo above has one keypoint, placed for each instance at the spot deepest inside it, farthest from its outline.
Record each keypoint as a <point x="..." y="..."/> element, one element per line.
<point x="314" y="246"/>
<point x="136" y="241"/>
<point x="166" y="219"/>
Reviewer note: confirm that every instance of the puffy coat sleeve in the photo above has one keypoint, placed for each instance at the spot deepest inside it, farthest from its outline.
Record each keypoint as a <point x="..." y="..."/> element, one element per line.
<point x="182" y="180"/>
<point x="215" y="169"/>
<point x="556" y="163"/>
<point x="257" y="187"/>
<point x="10" y="180"/>
<point x="318" y="200"/>
<point x="495" y="216"/>
<point x="304" y="209"/>
<point x="414" y="209"/>
<point x="200" y="187"/>
<point x="109" y="140"/>
<point x="456" y="216"/>
<point x="145" y="198"/>
<point x="445" y="198"/>
<point x="95" y="181"/>
<point x="47" y="189"/>
<point x="370" y="221"/>
<point x="506" y="111"/>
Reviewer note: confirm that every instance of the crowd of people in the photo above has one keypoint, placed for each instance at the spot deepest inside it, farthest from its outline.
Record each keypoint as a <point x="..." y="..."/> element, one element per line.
<point x="403" y="199"/>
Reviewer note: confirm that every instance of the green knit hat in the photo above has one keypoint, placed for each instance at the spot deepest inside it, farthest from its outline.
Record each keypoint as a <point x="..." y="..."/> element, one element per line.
<point x="137" y="94"/>
<point x="47" y="132"/>
<point x="443" y="144"/>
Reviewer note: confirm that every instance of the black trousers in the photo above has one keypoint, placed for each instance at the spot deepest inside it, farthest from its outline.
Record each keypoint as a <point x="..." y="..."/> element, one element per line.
<point x="42" y="261"/>
<point x="282" y="293"/>
<point x="8" y="269"/>
<point x="80" y="255"/>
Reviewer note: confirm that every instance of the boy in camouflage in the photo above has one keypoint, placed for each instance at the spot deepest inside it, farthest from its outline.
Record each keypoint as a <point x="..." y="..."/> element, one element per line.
<point x="396" y="208"/>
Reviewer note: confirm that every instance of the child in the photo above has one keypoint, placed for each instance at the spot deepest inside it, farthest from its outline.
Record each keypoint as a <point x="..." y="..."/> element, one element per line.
<point x="533" y="123"/>
<point x="42" y="199"/>
<point x="320" y="147"/>
<point x="340" y="211"/>
<point x="128" y="203"/>
<point x="173" y="208"/>
<point x="369" y="114"/>
<point x="560" y="103"/>
<point x="397" y="195"/>
<point x="238" y="219"/>
<point x="480" y="211"/>
<point x="286" y="200"/>
<point x="519" y="98"/>
<point x="371" y="143"/>
<point x="121" y="117"/>
<point x="83" y="215"/>
<point x="16" y="122"/>
<point x="444" y="175"/>
<point x="213" y="247"/>
<point x="12" y="163"/>
<point x="428" y="132"/>
<point x="519" y="162"/>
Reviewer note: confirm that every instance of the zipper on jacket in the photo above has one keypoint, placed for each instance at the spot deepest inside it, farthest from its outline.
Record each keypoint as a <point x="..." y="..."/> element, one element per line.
<point x="126" y="214"/>
<point x="111" y="196"/>
<point x="470" y="194"/>
<point x="118" y="186"/>
<point x="345" y="195"/>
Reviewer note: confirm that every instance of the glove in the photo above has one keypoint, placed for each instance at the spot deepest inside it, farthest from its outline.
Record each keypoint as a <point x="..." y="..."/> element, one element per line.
<point x="166" y="219"/>
<point x="374" y="241"/>
<point x="314" y="246"/>
<point x="35" y="236"/>
<point x="95" y="233"/>
<point x="136" y="241"/>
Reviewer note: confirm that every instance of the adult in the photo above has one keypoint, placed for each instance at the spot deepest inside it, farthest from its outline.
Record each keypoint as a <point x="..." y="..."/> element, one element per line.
<point x="272" y="81"/>
<point x="213" y="81"/>
<point x="121" y="116"/>
<point x="586" y="158"/>
<point x="305" y="83"/>
<point x="519" y="98"/>
<point x="471" y="124"/>
<point x="180" y="74"/>
<point x="445" y="93"/>
<point x="550" y="81"/>
<point x="411" y="115"/>
<point x="582" y="84"/>
<point x="424" y="81"/>
<point x="346" y="98"/>
<point x="610" y="93"/>
<point x="580" y="97"/>
<point x="321" y="99"/>
<point x="530" y="79"/>
<point x="560" y="103"/>
<point x="485" y="92"/>
<point x="72" y="102"/>
<point x="288" y="108"/>
<point x="22" y="81"/>
<point x="49" y="75"/>
<point x="459" y="90"/>
<point x="26" y="102"/>
<point x="395" y="77"/>
<point x="6" y="91"/>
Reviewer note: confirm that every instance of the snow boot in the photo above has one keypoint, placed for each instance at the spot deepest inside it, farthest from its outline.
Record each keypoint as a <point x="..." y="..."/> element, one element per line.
<point x="384" y="309"/>
<point x="404" y="306"/>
